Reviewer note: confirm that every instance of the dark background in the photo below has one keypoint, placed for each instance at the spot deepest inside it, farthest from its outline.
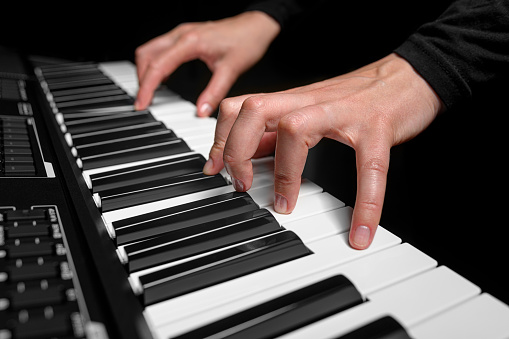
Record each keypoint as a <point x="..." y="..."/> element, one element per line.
<point x="447" y="189"/>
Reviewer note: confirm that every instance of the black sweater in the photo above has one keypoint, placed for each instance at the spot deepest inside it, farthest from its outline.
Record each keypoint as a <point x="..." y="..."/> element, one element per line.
<point x="465" y="48"/>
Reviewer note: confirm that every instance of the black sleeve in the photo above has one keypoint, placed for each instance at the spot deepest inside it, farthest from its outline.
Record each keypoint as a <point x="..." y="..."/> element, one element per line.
<point x="283" y="10"/>
<point x="466" y="47"/>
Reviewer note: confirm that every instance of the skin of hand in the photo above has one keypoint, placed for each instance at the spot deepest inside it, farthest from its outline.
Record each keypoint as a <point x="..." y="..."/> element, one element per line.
<point x="228" y="47"/>
<point x="371" y="109"/>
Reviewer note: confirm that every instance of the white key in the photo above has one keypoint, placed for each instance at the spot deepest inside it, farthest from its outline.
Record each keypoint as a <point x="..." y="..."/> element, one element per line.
<point x="367" y="273"/>
<point x="409" y="302"/>
<point x="200" y="140"/>
<point x="197" y="133"/>
<point x="185" y="125"/>
<point x="322" y="225"/>
<point x="116" y="69"/>
<point x="308" y="204"/>
<point x="173" y="108"/>
<point x="327" y="253"/>
<point x="481" y="317"/>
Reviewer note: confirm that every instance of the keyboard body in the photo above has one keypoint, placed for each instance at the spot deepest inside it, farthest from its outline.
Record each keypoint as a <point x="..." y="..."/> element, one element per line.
<point x="62" y="234"/>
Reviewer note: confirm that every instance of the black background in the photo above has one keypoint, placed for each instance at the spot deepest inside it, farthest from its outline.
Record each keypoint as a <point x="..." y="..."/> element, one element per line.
<point x="447" y="189"/>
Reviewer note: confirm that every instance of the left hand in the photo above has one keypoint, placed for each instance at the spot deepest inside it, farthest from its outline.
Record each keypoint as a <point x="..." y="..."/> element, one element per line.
<point x="370" y="109"/>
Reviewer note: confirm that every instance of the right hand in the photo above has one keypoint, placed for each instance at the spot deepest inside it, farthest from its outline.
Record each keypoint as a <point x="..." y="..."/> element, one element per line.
<point x="228" y="47"/>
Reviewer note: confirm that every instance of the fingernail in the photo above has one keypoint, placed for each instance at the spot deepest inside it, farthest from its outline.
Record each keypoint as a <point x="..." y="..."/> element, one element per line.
<point x="209" y="165"/>
<point x="361" y="236"/>
<point x="280" y="204"/>
<point x="205" y="109"/>
<point x="238" y="185"/>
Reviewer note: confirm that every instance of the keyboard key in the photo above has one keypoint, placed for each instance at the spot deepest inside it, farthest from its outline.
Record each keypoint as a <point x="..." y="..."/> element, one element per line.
<point x="145" y="192"/>
<point x="149" y="172"/>
<point x="221" y="266"/>
<point x="286" y="313"/>
<point x="181" y="219"/>
<point x="209" y="236"/>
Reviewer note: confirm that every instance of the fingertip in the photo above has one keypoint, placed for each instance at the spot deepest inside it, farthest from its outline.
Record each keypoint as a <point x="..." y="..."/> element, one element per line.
<point x="361" y="237"/>
<point x="280" y="204"/>
<point x="208" y="168"/>
<point x="205" y="110"/>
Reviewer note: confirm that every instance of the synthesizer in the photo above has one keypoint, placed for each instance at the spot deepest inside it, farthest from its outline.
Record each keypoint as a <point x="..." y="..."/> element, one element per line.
<point x="109" y="229"/>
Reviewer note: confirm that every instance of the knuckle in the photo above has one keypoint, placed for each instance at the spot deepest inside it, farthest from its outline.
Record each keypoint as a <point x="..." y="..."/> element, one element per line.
<point x="293" y="124"/>
<point x="190" y="37"/>
<point x="227" y="106"/>
<point x="254" y="104"/>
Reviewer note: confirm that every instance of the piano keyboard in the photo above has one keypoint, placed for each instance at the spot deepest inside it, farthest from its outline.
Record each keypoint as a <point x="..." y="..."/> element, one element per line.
<point x="205" y="261"/>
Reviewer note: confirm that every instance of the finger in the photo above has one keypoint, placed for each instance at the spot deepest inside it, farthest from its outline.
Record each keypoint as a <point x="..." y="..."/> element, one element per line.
<point x="220" y="83"/>
<point x="372" y="167"/>
<point x="228" y="112"/>
<point x="257" y="115"/>
<point x="147" y="52"/>
<point x="297" y="132"/>
<point x="161" y="67"/>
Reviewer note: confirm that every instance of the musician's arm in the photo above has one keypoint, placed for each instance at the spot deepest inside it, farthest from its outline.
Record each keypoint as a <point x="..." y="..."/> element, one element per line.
<point x="370" y="109"/>
<point x="466" y="47"/>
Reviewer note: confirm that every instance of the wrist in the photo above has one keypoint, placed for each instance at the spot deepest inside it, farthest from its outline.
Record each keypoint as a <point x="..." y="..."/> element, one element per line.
<point x="262" y="22"/>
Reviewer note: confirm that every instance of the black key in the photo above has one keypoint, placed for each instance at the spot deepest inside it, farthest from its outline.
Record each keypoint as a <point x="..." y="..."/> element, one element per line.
<point x="77" y="91"/>
<point x="286" y="313"/>
<point x="117" y="133"/>
<point x="68" y="73"/>
<point x="74" y="77"/>
<point x="48" y="70"/>
<point x="102" y="102"/>
<point x="107" y="122"/>
<point x="77" y="83"/>
<point x="137" y="153"/>
<point x="221" y="266"/>
<point x="181" y="219"/>
<point x="210" y="236"/>
<point x="148" y="172"/>
<point x="88" y="94"/>
<point x="146" y="192"/>
<point x="384" y="328"/>
<point x="115" y="145"/>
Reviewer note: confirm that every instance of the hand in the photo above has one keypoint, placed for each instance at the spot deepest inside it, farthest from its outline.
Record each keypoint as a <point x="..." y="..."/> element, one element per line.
<point x="370" y="109"/>
<point x="229" y="47"/>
